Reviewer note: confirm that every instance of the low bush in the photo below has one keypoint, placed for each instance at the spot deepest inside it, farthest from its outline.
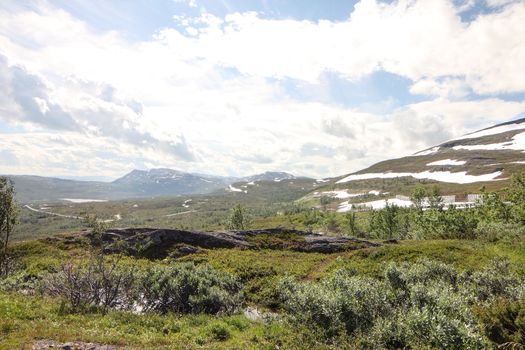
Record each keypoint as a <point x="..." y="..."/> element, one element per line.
<point x="23" y="281"/>
<point x="504" y="322"/>
<point x="100" y="283"/>
<point x="220" y="331"/>
<point x="417" y="305"/>
<point x="498" y="231"/>
<point x="186" y="288"/>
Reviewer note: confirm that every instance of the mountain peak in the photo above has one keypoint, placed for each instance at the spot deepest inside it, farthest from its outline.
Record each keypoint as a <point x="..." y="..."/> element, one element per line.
<point x="270" y="176"/>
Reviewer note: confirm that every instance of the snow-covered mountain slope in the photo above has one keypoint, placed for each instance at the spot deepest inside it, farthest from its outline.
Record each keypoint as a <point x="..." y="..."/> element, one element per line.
<point x="491" y="154"/>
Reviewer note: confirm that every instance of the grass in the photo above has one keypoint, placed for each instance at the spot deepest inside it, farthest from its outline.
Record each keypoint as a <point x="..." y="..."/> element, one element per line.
<point x="24" y="319"/>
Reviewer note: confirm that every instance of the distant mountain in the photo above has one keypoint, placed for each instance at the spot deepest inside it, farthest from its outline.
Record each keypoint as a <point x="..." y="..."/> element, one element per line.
<point x="269" y="176"/>
<point x="136" y="184"/>
<point x="39" y="188"/>
<point x="488" y="155"/>
<point x="163" y="182"/>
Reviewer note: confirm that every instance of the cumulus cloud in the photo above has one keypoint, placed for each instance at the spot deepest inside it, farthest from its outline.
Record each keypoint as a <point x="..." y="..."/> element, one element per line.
<point x="447" y="87"/>
<point x="337" y="127"/>
<point x="201" y="96"/>
<point x="26" y="99"/>
<point x="415" y="39"/>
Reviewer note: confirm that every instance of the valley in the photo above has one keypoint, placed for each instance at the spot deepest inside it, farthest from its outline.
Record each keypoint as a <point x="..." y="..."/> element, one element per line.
<point x="271" y="252"/>
<point x="262" y="175"/>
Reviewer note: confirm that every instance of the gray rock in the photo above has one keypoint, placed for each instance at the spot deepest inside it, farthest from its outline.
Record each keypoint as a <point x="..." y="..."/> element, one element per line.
<point x="154" y="242"/>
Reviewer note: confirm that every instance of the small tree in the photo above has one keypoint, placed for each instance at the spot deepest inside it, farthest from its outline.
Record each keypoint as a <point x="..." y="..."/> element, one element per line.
<point x="385" y="222"/>
<point x="351" y="223"/>
<point x="418" y="197"/>
<point x="494" y="209"/>
<point x="435" y="200"/>
<point x="516" y="195"/>
<point x="8" y="220"/>
<point x="239" y="219"/>
<point x="98" y="227"/>
<point x="330" y="222"/>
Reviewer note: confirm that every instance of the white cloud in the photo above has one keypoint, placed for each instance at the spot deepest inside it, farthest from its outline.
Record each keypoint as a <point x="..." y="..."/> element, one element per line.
<point x="416" y="39"/>
<point x="498" y="3"/>
<point x="190" y="3"/>
<point x="200" y="96"/>
<point x="448" y="87"/>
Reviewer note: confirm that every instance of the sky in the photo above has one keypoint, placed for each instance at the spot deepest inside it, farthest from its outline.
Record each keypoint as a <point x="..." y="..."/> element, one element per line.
<point x="237" y="87"/>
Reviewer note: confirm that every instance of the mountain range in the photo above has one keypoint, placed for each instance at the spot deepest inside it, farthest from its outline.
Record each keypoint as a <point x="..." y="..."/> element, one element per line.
<point x="489" y="156"/>
<point x="136" y="184"/>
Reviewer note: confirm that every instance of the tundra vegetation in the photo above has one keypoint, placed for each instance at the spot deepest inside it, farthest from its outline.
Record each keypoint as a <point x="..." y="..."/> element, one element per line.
<point x="440" y="278"/>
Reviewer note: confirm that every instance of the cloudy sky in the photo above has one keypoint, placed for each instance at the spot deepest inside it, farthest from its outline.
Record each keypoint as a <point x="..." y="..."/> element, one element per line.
<point x="235" y="87"/>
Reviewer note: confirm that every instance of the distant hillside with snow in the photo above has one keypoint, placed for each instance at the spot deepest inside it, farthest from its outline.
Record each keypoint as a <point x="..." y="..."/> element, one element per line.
<point x="460" y="167"/>
<point x="491" y="154"/>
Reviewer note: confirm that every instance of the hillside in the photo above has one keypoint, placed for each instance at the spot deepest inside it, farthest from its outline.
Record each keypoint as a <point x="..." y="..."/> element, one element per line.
<point x="485" y="158"/>
<point x="490" y="154"/>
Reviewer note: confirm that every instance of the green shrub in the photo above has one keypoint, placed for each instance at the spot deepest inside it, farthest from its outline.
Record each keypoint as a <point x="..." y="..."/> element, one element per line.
<point x="339" y="303"/>
<point x="415" y="305"/>
<point x="220" y="331"/>
<point x="390" y="222"/>
<point x="24" y="281"/>
<point x="239" y="219"/>
<point x="498" y="231"/>
<point x="425" y="328"/>
<point x="495" y="281"/>
<point x="186" y="288"/>
<point x="504" y="322"/>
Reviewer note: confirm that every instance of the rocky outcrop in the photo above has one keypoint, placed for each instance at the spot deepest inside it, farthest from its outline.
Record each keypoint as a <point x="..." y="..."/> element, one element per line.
<point x="154" y="242"/>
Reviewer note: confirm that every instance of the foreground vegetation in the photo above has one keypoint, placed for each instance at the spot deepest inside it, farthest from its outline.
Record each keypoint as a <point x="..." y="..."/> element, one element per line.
<point x="384" y="289"/>
<point x="444" y="279"/>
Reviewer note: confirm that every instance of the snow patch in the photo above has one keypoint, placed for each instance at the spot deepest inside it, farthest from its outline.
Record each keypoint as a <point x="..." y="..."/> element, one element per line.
<point x="442" y="176"/>
<point x="379" y="204"/>
<point x="181" y="213"/>
<point x="493" y="131"/>
<point x="235" y="189"/>
<point x="374" y="192"/>
<point x="517" y="143"/>
<point x="341" y="194"/>
<point x="447" y="162"/>
<point x="83" y="200"/>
